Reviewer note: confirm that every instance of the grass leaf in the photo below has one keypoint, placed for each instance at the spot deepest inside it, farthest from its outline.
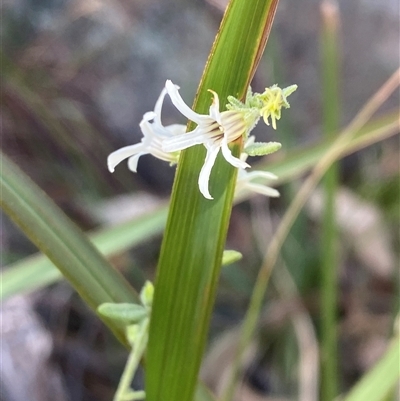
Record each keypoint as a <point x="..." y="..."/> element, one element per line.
<point x="63" y="243"/>
<point x="194" y="239"/>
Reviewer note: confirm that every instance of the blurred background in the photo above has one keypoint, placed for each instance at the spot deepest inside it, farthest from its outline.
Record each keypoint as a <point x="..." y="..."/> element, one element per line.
<point x="77" y="77"/>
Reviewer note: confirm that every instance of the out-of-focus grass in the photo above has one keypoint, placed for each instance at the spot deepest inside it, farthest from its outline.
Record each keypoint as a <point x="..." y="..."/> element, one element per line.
<point x="330" y="259"/>
<point x="69" y="150"/>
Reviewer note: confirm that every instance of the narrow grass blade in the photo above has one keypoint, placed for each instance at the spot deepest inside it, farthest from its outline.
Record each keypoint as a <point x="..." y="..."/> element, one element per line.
<point x="64" y="244"/>
<point x="328" y="246"/>
<point x="194" y="239"/>
<point x="36" y="271"/>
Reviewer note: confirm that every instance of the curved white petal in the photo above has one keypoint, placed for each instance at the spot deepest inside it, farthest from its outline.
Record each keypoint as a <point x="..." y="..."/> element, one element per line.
<point x="176" y="129"/>
<point x="133" y="162"/>
<point x="157" y="152"/>
<point x="250" y="140"/>
<point x="205" y="172"/>
<point x="151" y="132"/>
<point x="121" y="154"/>
<point x="233" y="124"/>
<point x="180" y="104"/>
<point x="261" y="174"/>
<point x="214" y="108"/>
<point x="150" y="129"/>
<point x="148" y="132"/>
<point x="262" y="190"/>
<point x="158" y="106"/>
<point x="149" y="115"/>
<point x="230" y="158"/>
<point x="184" y="141"/>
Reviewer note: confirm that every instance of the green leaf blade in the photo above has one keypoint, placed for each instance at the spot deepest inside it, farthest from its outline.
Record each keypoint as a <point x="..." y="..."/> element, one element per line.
<point x="63" y="243"/>
<point x="194" y="240"/>
<point x="35" y="272"/>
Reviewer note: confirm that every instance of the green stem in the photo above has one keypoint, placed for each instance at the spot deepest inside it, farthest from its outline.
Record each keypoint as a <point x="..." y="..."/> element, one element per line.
<point x="132" y="364"/>
<point x="329" y="258"/>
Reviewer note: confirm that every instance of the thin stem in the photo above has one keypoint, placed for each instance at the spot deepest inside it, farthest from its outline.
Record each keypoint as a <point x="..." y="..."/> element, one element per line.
<point x="288" y="219"/>
<point x="138" y="348"/>
<point x="308" y="366"/>
<point x="329" y="255"/>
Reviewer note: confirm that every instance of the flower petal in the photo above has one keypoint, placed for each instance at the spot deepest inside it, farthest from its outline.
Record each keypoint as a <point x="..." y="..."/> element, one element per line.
<point x="205" y="172"/>
<point x="233" y="124"/>
<point x="149" y="134"/>
<point x="158" y="106"/>
<point x="121" y="154"/>
<point x="157" y="125"/>
<point x="133" y="162"/>
<point x="261" y="174"/>
<point x="230" y="158"/>
<point x="149" y="115"/>
<point x="180" y="104"/>
<point x="214" y="108"/>
<point x="184" y="141"/>
<point x="152" y="130"/>
<point x="176" y="129"/>
<point x="263" y="190"/>
<point x="244" y="183"/>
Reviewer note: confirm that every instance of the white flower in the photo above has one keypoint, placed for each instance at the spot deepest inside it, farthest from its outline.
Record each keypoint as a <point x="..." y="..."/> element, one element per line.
<point x="154" y="133"/>
<point x="245" y="184"/>
<point x="215" y="131"/>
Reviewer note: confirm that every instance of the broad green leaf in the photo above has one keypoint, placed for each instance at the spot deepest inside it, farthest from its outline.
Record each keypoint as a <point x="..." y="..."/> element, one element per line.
<point x="194" y="239"/>
<point x="64" y="244"/>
